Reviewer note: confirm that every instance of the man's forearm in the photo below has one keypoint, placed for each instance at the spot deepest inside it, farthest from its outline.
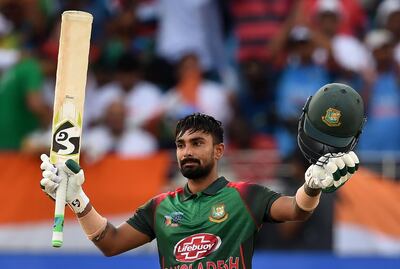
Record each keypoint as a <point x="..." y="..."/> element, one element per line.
<point x="91" y="222"/>
<point x="306" y="200"/>
<point x="105" y="240"/>
<point x="97" y="229"/>
<point x="300" y="214"/>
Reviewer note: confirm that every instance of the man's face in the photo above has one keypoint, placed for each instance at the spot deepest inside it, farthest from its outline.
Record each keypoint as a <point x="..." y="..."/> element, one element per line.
<point x="384" y="56"/>
<point x="196" y="154"/>
<point x="393" y="24"/>
<point x="115" y="117"/>
<point x="126" y="79"/>
<point x="328" y="23"/>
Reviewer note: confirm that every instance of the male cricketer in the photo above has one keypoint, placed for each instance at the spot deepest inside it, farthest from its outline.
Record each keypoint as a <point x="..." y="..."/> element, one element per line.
<point x="211" y="222"/>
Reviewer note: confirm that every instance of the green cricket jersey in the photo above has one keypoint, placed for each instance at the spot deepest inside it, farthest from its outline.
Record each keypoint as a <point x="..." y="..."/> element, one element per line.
<point x="211" y="229"/>
<point x="16" y="119"/>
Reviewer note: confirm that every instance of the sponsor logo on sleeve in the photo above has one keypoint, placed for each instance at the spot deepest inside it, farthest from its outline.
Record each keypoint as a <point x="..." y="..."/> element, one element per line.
<point x="196" y="247"/>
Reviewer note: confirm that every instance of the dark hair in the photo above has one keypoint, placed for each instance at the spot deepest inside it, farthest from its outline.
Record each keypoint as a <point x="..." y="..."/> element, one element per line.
<point x="201" y="122"/>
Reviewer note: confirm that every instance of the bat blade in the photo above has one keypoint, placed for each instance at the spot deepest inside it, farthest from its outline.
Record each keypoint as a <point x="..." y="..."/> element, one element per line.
<point x="73" y="54"/>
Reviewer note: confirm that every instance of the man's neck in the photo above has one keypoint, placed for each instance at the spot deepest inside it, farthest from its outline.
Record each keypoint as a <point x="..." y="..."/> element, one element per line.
<point x="199" y="185"/>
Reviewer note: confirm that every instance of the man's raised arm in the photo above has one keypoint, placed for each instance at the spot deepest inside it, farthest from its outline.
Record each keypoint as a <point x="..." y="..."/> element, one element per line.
<point x="109" y="239"/>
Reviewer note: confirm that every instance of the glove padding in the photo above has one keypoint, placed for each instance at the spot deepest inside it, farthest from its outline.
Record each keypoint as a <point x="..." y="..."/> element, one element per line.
<point x="332" y="171"/>
<point x="70" y="171"/>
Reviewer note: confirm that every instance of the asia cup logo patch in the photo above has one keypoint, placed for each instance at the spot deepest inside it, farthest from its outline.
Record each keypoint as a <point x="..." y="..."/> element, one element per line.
<point x="218" y="213"/>
<point x="174" y="219"/>
<point x="332" y="117"/>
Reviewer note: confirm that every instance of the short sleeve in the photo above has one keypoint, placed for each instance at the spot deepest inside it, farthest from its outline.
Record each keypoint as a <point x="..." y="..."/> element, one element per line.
<point x="273" y="196"/>
<point x="143" y="219"/>
<point x="259" y="200"/>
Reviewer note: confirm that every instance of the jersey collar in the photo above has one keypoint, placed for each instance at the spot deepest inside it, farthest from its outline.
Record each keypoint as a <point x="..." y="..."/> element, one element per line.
<point x="211" y="190"/>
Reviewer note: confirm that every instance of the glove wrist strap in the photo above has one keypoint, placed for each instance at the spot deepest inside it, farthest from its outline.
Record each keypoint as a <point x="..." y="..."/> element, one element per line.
<point x="79" y="203"/>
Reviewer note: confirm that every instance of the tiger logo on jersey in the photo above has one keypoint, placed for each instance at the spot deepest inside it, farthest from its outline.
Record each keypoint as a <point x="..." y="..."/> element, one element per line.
<point x="218" y="213"/>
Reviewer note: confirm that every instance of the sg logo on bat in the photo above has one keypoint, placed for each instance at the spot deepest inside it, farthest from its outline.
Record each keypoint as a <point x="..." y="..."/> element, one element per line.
<point x="66" y="139"/>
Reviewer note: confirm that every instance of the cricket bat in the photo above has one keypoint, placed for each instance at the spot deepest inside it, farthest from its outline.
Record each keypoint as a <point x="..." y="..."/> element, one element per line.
<point x="73" y="54"/>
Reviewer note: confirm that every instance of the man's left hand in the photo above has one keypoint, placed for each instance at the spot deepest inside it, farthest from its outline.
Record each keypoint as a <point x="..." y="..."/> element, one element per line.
<point x="332" y="171"/>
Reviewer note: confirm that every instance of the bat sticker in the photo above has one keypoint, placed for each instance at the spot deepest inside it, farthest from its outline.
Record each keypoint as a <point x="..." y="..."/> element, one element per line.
<point x="66" y="139"/>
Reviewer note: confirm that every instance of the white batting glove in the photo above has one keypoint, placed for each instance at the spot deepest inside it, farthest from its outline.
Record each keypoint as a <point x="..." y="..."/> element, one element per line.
<point x="70" y="171"/>
<point x="332" y="171"/>
<point x="50" y="180"/>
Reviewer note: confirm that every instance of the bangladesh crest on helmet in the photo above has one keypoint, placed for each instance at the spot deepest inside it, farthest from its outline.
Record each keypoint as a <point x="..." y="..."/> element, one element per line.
<point x="332" y="117"/>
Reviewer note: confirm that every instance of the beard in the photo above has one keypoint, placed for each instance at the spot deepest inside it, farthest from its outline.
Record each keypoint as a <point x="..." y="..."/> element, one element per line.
<point x="195" y="172"/>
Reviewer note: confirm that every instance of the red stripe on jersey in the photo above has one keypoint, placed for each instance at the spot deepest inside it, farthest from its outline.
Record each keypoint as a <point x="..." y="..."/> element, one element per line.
<point x="241" y="187"/>
<point x="159" y="198"/>
<point x="242" y="257"/>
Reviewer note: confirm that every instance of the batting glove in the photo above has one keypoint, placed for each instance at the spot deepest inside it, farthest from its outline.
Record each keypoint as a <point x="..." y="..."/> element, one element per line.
<point x="70" y="171"/>
<point x="332" y="171"/>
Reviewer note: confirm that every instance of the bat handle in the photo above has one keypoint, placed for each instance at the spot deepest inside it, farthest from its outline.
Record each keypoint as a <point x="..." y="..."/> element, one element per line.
<point x="58" y="227"/>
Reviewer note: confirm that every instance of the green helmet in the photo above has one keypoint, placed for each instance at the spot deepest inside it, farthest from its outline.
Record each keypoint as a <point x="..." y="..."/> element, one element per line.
<point x="331" y="122"/>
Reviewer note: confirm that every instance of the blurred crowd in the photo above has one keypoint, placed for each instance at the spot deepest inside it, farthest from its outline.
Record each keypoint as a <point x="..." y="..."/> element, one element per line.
<point x="249" y="63"/>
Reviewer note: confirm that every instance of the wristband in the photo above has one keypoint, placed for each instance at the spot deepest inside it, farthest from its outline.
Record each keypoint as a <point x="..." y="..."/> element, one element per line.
<point x="305" y="201"/>
<point x="93" y="224"/>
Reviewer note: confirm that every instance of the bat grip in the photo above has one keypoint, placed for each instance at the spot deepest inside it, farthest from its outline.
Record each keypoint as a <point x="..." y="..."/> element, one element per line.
<point x="58" y="227"/>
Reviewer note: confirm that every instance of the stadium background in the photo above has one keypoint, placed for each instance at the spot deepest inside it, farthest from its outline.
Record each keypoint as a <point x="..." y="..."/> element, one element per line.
<point x="251" y="64"/>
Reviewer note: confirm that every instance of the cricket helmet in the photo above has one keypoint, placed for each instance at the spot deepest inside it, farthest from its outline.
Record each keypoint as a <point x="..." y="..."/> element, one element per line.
<point x="331" y="122"/>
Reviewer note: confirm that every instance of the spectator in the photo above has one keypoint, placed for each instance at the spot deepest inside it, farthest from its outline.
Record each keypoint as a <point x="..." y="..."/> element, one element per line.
<point x="336" y="46"/>
<point x="256" y="29"/>
<point x="353" y="19"/>
<point x="194" y="93"/>
<point x="101" y="86"/>
<point x="142" y="99"/>
<point x="382" y="99"/>
<point x="256" y="23"/>
<point x="22" y="107"/>
<point x="114" y="136"/>
<point x="253" y="109"/>
<point x="388" y="17"/>
<point x="122" y="28"/>
<point x="124" y="107"/>
<point x="300" y="78"/>
<point x="193" y="27"/>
